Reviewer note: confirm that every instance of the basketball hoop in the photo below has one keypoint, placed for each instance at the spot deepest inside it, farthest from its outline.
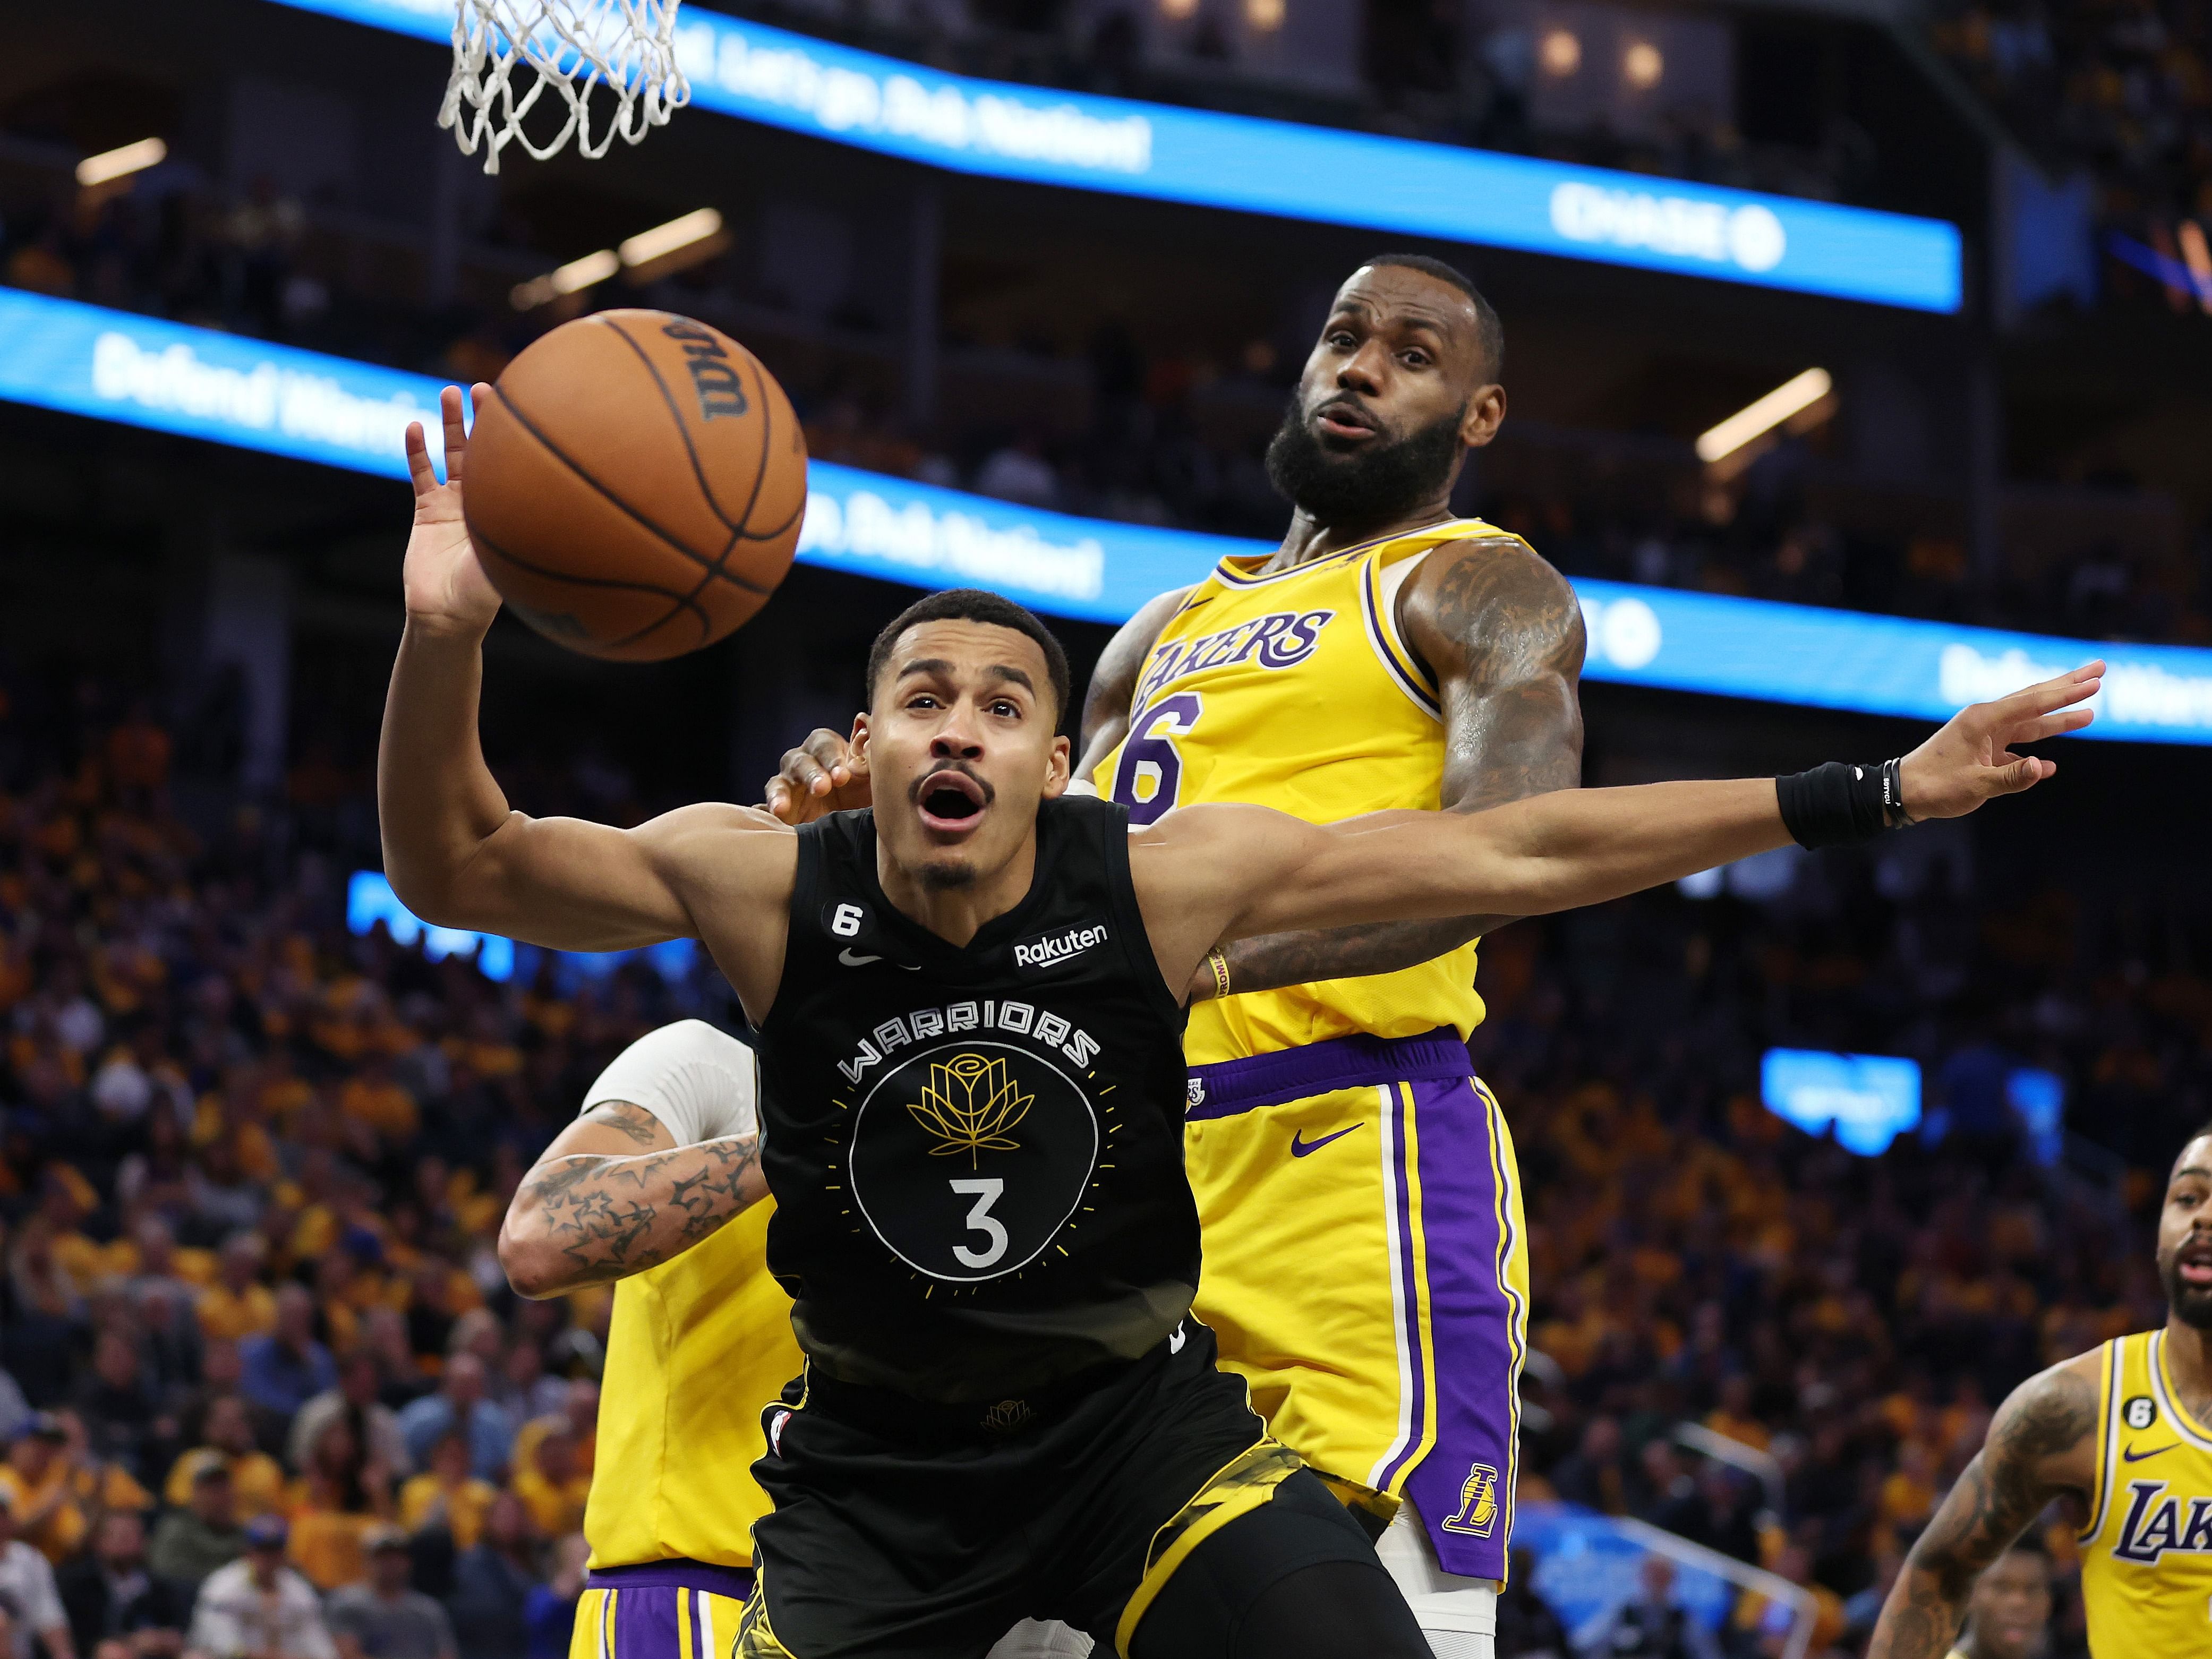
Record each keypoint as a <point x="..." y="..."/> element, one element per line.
<point x="572" y="46"/>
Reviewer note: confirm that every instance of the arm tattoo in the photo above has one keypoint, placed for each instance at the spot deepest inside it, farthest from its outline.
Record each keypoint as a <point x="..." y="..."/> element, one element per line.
<point x="636" y="1121"/>
<point x="1503" y="633"/>
<point x="613" y="1217"/>
<point x="2001" y="1493"/>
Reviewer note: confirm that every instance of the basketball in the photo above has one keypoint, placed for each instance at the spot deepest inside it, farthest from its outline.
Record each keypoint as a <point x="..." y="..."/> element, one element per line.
<point x="635" y="485"/>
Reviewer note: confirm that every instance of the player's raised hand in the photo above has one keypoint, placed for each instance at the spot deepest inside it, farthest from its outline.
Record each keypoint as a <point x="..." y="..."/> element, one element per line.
<point x="821" y="776"/>
<point x="446" y="589"/>
<point x="1971" y="759"/>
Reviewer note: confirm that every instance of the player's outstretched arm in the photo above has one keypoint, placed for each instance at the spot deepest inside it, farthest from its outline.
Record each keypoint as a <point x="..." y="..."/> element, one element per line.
<point x="1245" y="870"/>
<point x="456" y="854"/>
<point x="632" y="1182"/>
<point x="2042" y="1443"/>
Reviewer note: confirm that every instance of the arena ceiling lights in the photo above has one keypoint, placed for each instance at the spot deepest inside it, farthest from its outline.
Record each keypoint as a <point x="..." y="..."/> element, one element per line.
<point x="144" y="372"/>
<point x="1166" y="153"/>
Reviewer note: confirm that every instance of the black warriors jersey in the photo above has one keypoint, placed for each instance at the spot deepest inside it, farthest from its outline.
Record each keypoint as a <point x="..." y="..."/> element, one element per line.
<point x="976" y="1152"/>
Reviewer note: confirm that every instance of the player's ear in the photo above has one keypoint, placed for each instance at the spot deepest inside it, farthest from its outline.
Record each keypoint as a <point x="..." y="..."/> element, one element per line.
<point x="859" y="740"/>
<point x="1059" y="768"/>
<point x="1485" y="413"/>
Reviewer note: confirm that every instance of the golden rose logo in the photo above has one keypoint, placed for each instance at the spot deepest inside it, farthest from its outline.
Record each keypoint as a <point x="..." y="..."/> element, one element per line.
<point x="969" y="1104"/>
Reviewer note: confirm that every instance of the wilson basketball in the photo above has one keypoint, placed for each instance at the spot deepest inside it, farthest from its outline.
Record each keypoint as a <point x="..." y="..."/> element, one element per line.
<point x="634" y="485"/>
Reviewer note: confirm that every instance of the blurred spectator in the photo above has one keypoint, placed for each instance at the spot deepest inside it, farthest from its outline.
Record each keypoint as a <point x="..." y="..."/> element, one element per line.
<point x="1652" y="1624"/>
<point x="54" y="1481"/>
<point x="284" y="1367"/>
<point x="381" y="1617"/>
<point x="2008" y="1614"/>
<point x="1019" y="473"/>
<point x="342" y="1495"/>
<point x="355" y="1399"/>
<point x="1527" y="1626"/>
<point x="238" y="1304"/>
<point x="1592" y="1476"/>
<point x="111" y="1594"/>
<point x="15" y="1410"/>
<point x="257" y="1480"/>
<point x="460" y="1403"/>
<point x="492" y="1584"/>
<point x="574" y="1410"/>
<point x="531" y="1395"/>
<point x="29" y="1602"/>
<point x="447" y="1495"/>
<point x="190" y="1543"/>
<point x="550" y="1612"/>
<point x="256" y="1607"/>
<point x="553" y="1484"/>
<point x="116" y="1401"/>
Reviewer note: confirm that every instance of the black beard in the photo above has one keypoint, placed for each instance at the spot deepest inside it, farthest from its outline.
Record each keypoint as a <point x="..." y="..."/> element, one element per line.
<point x="2191" y="1305"/>
<point x="1379" y="480"/>
<point x="946" y="877"/>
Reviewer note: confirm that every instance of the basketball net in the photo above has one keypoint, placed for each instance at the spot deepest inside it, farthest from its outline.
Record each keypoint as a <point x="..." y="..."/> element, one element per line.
<point x="508" y="54"/>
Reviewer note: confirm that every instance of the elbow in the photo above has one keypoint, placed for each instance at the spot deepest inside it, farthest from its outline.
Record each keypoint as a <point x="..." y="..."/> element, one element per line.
<point x="431" y="896"/>
<point x="534" y="1268"/>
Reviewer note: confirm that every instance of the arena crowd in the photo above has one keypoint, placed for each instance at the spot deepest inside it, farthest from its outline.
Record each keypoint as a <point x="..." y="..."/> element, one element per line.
<point x="260" y="1363"/>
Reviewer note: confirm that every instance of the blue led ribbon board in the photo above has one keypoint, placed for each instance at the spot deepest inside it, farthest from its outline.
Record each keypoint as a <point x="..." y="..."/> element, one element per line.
<point x="1868" y="1099"/>
<point x="370" y="901"/>
<point x="1292" y="171"/>
<point x="140" y="371"/>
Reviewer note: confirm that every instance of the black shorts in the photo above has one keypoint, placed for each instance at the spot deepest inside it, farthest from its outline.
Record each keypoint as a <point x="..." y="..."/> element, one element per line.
<point x="905" y="1530"/>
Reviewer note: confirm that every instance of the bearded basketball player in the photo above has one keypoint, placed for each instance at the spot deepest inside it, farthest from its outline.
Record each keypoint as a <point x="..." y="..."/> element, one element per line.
<point x="2126" y="1429"/>
<point x="1387" y="655"/>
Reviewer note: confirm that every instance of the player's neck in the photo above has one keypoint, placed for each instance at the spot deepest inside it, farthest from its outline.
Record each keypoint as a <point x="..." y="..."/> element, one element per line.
<point x="1307" y="538"/>
<point x="957" y="914"/>
<point x="2189" y="1363"/>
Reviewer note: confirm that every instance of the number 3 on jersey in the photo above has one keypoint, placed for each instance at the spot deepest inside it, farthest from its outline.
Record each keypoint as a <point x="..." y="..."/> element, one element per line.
<point x="986" y="1192"/>
<point x="1150" y="757"/>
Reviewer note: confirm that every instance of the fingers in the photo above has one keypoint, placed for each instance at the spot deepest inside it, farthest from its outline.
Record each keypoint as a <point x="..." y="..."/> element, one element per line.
<point x="457" y="432"/>
<point x="420" y="472"/>
<point x="779" y="799"/>
<point x="2077" y="686"/>
<point x="2022" y="773"/>
<point x="2046" y="726"/>
<point x="803" y="773"/>
<point x="831" y="751"/>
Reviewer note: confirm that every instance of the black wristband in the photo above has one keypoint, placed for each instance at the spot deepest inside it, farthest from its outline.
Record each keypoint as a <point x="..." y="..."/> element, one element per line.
<point x="1836" y="805"/>
<point x="1893" y="795"/>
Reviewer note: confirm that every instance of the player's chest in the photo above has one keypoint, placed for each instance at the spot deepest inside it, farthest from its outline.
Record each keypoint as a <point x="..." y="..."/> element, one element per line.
<point x="1245" y="644"/>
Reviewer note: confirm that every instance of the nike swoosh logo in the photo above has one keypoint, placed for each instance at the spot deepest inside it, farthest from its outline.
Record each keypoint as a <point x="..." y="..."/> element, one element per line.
<point x="1175" y="1339"/>
<point x="1300" y="1148"/>
<point x="853" y="961"/>
<point x="2132" y="1456"/>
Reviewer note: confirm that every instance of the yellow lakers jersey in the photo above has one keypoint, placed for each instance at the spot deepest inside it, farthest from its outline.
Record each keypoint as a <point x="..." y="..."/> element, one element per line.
<point x="698" y="1345"/>
<point x="1294" y="690"/>
<point x="2146" y="1554"/>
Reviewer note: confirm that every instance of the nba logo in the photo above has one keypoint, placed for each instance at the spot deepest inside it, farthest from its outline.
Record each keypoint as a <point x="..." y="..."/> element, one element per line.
<point x="1477" y="1503"/>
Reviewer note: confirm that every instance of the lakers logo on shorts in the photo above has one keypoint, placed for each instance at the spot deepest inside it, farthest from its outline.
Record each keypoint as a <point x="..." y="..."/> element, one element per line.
<point x="1477" y="1503"/>
<point x="968" y="1157"/>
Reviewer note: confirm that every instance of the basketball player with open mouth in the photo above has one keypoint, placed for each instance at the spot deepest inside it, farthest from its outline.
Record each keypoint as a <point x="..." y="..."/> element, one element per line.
<point x="977" y="1164"/>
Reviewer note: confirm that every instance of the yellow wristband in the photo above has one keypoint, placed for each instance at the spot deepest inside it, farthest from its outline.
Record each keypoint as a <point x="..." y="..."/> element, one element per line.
<point x="1220" y="963"/>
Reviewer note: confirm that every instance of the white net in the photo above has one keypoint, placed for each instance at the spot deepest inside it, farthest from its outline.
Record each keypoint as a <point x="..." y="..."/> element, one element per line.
<point x="510" y="55"/>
